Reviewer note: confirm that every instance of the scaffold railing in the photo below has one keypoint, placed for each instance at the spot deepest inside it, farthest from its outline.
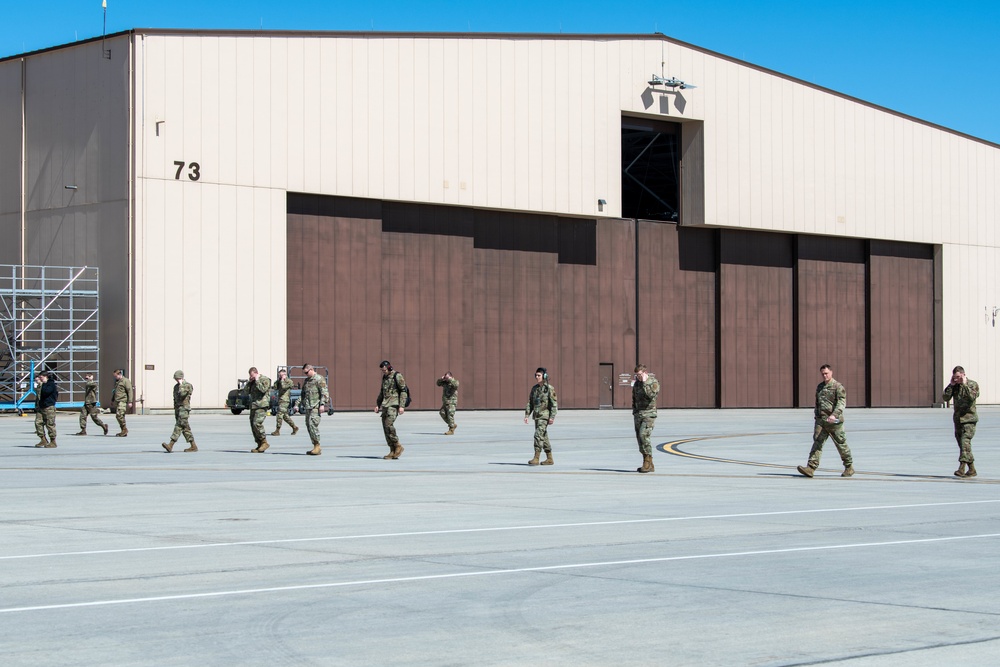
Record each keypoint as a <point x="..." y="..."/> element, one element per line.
<point x="49" y="318"/>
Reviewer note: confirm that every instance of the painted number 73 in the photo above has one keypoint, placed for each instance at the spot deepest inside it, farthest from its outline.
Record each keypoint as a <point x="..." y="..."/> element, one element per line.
<point x="194" y="170"/>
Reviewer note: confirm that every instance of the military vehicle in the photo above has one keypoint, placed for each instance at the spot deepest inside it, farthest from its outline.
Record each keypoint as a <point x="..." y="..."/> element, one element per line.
<point x="239" y="399"/>
<point x="297" y="376"/>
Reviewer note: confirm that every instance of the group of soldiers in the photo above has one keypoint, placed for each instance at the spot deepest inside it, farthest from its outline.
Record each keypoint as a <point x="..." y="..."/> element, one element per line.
<point x="831" y="399"/>
<point x="47" y="395"/>
<point x="542" y="407"/>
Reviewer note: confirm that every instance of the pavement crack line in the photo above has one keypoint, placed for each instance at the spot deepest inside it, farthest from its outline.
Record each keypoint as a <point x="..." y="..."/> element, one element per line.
<point x="875" y="654"/>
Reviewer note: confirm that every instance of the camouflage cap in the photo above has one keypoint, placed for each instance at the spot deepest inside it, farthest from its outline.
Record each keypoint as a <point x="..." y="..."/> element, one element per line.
<point x="178" y="375"/>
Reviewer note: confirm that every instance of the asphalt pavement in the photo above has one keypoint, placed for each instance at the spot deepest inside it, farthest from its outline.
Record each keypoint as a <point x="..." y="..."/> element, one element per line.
<point x="114" y="552"/>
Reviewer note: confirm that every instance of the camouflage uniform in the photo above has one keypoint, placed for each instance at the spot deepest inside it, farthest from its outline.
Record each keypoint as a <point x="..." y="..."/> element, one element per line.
<point x="259" y="391"/>
<point x="90" y="409"/>
<point x="120" y="398"/>
<point x="390" y="399"/>
<point x="46" y="396"/>
<point x="449" y="401"/>
<point x="542" y="406"/>
<point x="831" y="399"/>
<point x="965" y="417"/>
<point x="644" y="412"/>
<point x="314" y="394"/>
<point x="182" y="410"/>
<point x="283" y="387"/>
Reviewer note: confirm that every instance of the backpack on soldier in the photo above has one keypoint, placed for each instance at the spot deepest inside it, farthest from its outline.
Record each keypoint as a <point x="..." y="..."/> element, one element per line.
<point x="409" y="395"/>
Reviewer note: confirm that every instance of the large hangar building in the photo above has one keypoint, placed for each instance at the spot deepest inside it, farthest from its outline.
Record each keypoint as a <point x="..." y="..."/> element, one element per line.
<point x="490" y="203"/>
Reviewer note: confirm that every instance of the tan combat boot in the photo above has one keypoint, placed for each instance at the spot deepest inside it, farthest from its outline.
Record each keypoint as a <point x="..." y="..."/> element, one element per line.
<point x="392" y="450"/>
<point x="647" y="464"/>
<point x="848" y="471"/>
<point x="295" y="429"/>
<point x="123" y="433"/>
<point x="52" y="443"/>
<point x="169" y="446"/>
<point x="82" y="432"/>
<point x="276" y="431"/>
<point x="262" y="446"/>
<point x="450" y="431"/>
<point x="315" y="451"/>
<point x="42" y="441"/>
<point x="961" y="469"/>
<point x="534" y="461"/>
<point x="970" y="473"/>
<point x="806" y="470"/>
<point x="192" y="448"/>
<point x="397" y="451"/>
<point x="548" y="459"/>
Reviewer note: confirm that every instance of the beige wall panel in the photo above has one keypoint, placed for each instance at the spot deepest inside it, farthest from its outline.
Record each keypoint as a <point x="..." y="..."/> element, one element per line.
<point x="439" y="177"/>
<point x="212" y="291"/>
<point x="307" y="109"/>
<point x="418" y="125"/>
<point x="294" y="115"/>
<point x="10" y="142"/>
<point x="198" y="64"/>
<point x="498" y="117"/>
<point x="263" y="87"/>
<point x="372" y="107"/>
<point x="471" y="118"/>
<point x="330" y="102"/>
<point x="346" y="155"/>
<point x="602" y="176"/>
<point x="585" y="125"/>
<point x="385" y="153"/>
<point x="280" y="108"/>
<point x="971" y="316"/>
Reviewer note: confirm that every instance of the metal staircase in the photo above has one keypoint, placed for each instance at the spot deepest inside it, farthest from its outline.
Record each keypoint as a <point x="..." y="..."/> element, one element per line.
<point x="48" y="319"/>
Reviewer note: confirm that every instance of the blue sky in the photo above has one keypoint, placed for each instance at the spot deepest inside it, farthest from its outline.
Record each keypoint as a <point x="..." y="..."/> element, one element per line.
<point x="934" y="60"/>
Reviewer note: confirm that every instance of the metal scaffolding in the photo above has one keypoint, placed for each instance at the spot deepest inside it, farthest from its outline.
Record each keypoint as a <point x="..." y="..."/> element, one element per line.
<point x="49" y="319"/>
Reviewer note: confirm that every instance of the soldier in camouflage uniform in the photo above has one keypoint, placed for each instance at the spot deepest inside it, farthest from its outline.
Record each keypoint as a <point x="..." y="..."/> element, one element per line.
<point x="182" y="410"/>
<point x="314" y="401"/>
<point x="391" y="402"/>
<point x="89" y="408"/>
<point x="644" y="391"/>
<point x="46" y="397"/>
<point x="964" y="393"/>
<point x="121" y="398"/>
<point x="831" y="399"/>
<point x="449" y="401"/>
<point x="259" y="389"/>
<point x="283" y="387"/>
<point x="542" y="407"/>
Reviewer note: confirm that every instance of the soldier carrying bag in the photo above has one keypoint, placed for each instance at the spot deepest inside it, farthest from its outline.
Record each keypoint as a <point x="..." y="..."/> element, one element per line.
<point x="409" y="394"/>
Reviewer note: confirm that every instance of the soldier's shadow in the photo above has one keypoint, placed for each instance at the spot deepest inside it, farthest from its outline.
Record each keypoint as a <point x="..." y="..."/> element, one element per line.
<point x="349" y="456"/>
<point x="509" y="463"/>
<point x="609" y="469"/>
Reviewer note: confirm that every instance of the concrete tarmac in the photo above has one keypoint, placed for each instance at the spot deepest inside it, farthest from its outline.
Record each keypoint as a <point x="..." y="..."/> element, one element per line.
<point x="114" y="552"/>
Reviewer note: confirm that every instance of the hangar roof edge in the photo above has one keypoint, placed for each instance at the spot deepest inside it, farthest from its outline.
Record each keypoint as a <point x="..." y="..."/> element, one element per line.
<point x="506" y="36"/>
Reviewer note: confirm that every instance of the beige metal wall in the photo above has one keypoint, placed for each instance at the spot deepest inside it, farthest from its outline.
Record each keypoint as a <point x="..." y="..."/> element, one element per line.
<point x="971" y="315"/>
<point x="511" y="123"/>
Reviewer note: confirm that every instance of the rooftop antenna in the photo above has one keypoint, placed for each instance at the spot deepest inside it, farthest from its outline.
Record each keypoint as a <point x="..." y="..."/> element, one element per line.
<point x="104" y="32"/>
